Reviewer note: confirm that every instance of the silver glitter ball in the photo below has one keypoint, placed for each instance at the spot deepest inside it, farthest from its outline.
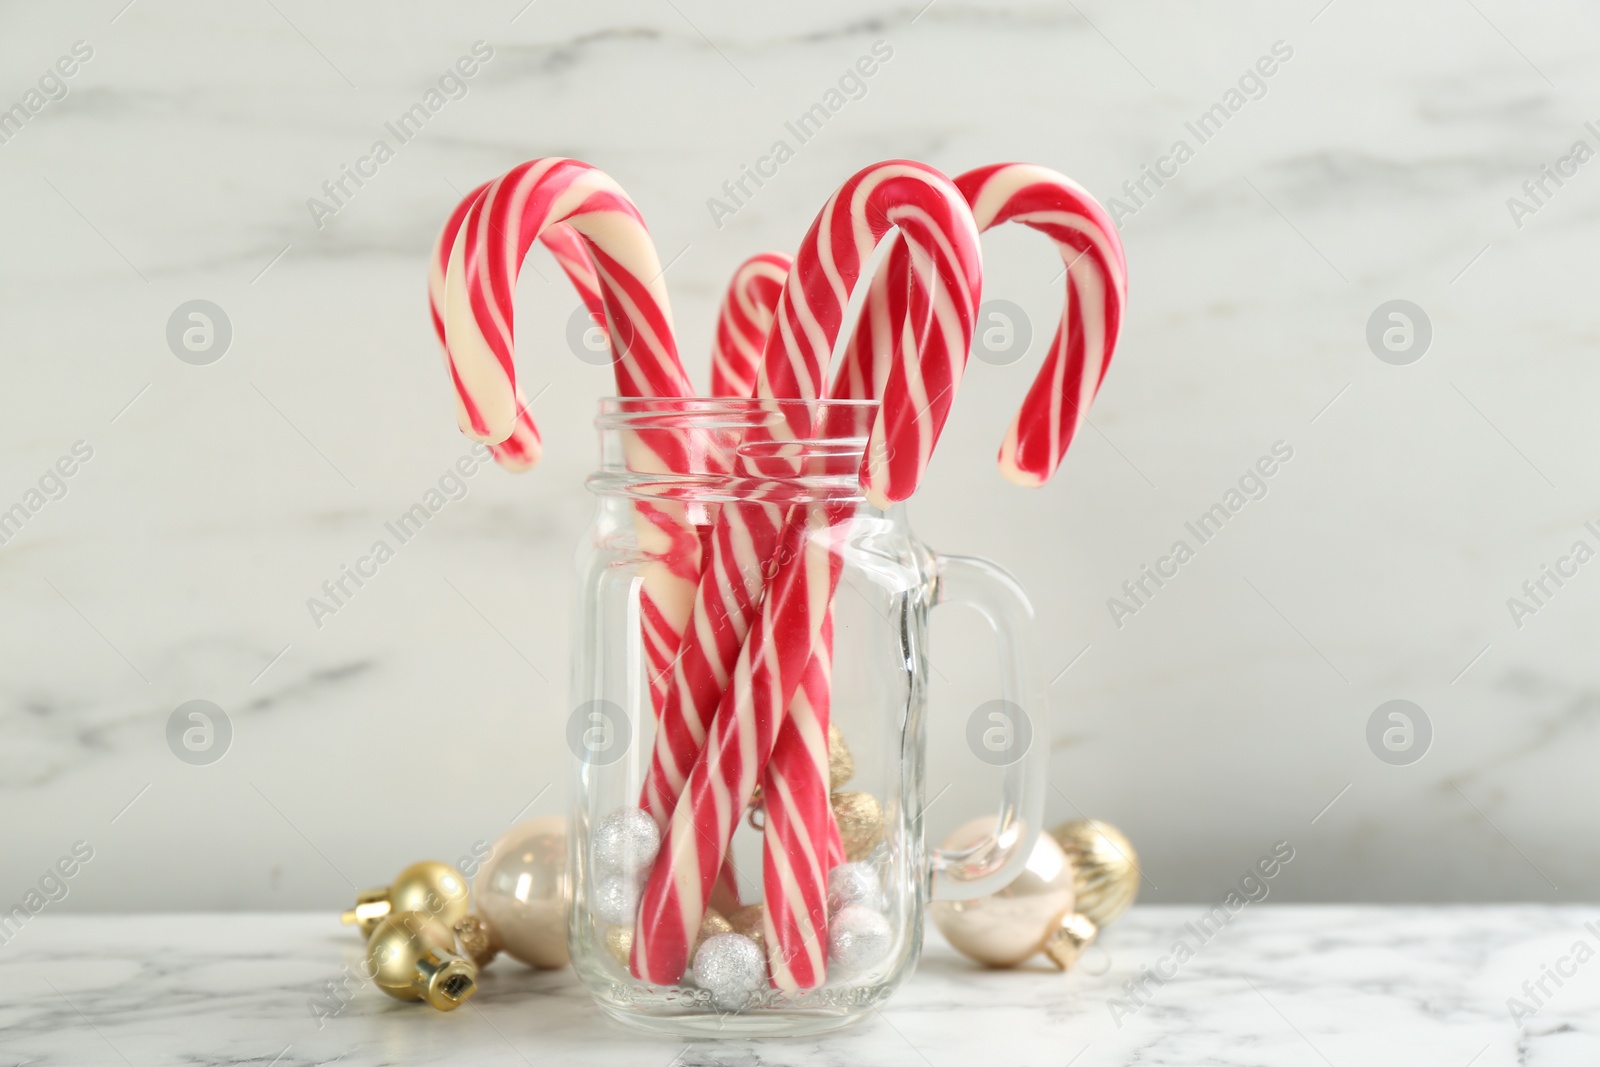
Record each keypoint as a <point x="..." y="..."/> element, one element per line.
<point x="854" y="883"/>
<point x="858" y="939"/>
<point x="731" y="968"/>
<point x="616" y="898"/>
<point x="626" y="842"/>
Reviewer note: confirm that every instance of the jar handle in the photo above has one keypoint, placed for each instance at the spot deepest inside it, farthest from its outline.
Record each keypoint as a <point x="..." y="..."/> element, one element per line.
<point x="1012" y="732"/>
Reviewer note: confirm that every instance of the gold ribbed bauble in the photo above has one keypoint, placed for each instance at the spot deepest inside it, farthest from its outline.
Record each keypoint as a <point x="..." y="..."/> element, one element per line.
<point x="860" y="819"/>
<point x="1105" y="868"/>
<point x="751" y="921"/>
<point x="841" y="765"/>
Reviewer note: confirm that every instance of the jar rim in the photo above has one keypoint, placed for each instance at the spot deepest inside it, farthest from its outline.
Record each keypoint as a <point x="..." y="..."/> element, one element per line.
<point x="628" y="412"/>
<point x="720" y="453"/>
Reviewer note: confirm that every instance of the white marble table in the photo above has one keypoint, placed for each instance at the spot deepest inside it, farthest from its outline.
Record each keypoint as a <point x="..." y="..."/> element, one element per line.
<point x="1278" y="985"/>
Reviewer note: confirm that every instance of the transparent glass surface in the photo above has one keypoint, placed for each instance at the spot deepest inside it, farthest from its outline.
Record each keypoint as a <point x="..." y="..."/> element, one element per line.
<point x="802" y="460"/>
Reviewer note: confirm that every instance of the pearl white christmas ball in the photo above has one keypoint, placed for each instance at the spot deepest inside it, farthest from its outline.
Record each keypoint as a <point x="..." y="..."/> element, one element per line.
<point x="522" y="891"/>
<point x="854" y="883"/>
<point x="626" y="841"/>
<point x="731" y="968"/>
<point x="858" y="939"/>
<point x="616" y="898"/>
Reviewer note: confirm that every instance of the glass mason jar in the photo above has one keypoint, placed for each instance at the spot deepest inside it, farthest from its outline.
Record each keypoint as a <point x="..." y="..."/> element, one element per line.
<point x="888" y="582"/>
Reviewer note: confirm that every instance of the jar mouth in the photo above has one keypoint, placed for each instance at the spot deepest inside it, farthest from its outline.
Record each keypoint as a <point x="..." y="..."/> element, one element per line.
<point x="720" y="449"/>
<point x="832" y="421"/>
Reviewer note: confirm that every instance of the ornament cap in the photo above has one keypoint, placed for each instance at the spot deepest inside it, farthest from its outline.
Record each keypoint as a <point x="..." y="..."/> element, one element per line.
<point x="371" y="906"/>
<point x="1068" y="940"/>
<point x="412" y="956"/>
<point x="477" y="939"/>
<point x="450" y="980"/>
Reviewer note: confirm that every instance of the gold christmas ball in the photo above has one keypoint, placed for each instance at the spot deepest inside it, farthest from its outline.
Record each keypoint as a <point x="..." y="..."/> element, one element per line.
<point x="477" y="940"/>
<point x="841" y="765"/>
<point x="430" y="886"/>
<point x="751" y="921"/>
<point x="435" y="888"/>
<point x="522" y="891"/>
<point x="619" y="939"/>
<point x="1005" y="928"/>
<point x="412" y="956"/>
<point x="712" y="925"/>
<point x="860" y="819"/>
<point x="619" y="942"/>
<point x="1105" y="868"/>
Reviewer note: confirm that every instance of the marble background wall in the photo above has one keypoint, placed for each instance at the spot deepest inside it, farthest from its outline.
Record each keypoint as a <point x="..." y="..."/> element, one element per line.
<point x="1229" y="712"/>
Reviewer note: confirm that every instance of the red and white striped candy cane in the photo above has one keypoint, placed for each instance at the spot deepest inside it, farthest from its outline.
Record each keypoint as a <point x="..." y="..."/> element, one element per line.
<point x="480" y="283"/>
<point x="1091" y="319"/>
<point x="802" y="843"/>
<point x="800" y="834"/>
<point x="796" y="776"/>
<point x="749" y="721"/>
<point x="1096" y="292"/>
<point x="742" y="326"/>
<point x="1055" y="405"/>
<point x="808" y="320"/>
<point x="863" y="370"/>
<point x="747" y="714"/>
<point x="551" y="196"/>
<point x="521" y="450"/>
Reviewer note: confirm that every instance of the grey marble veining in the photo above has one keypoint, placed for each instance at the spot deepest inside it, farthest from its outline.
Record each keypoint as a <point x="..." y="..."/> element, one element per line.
<point x="1277" y="985"/>
<point x="1228" y="713"/>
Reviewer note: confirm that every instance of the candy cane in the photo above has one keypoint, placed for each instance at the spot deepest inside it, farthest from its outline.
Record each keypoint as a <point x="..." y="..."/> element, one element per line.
<point x="795" y="775"/>
<point x="732" y="577"/>
<point x="745" y="721"/>
<point x="809" y="319"/>
<point x="1058" y="399"/>
<point x="545" y="197"/>
<point x="746" y="317"/>
<point x="1096" y="291"/>
<point x="800" y="833"/>
<point x="1091" y="318"/>
<point x="481" y="279"/>
<point x="799" y="819"/>
<point x="521" y="450"/>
